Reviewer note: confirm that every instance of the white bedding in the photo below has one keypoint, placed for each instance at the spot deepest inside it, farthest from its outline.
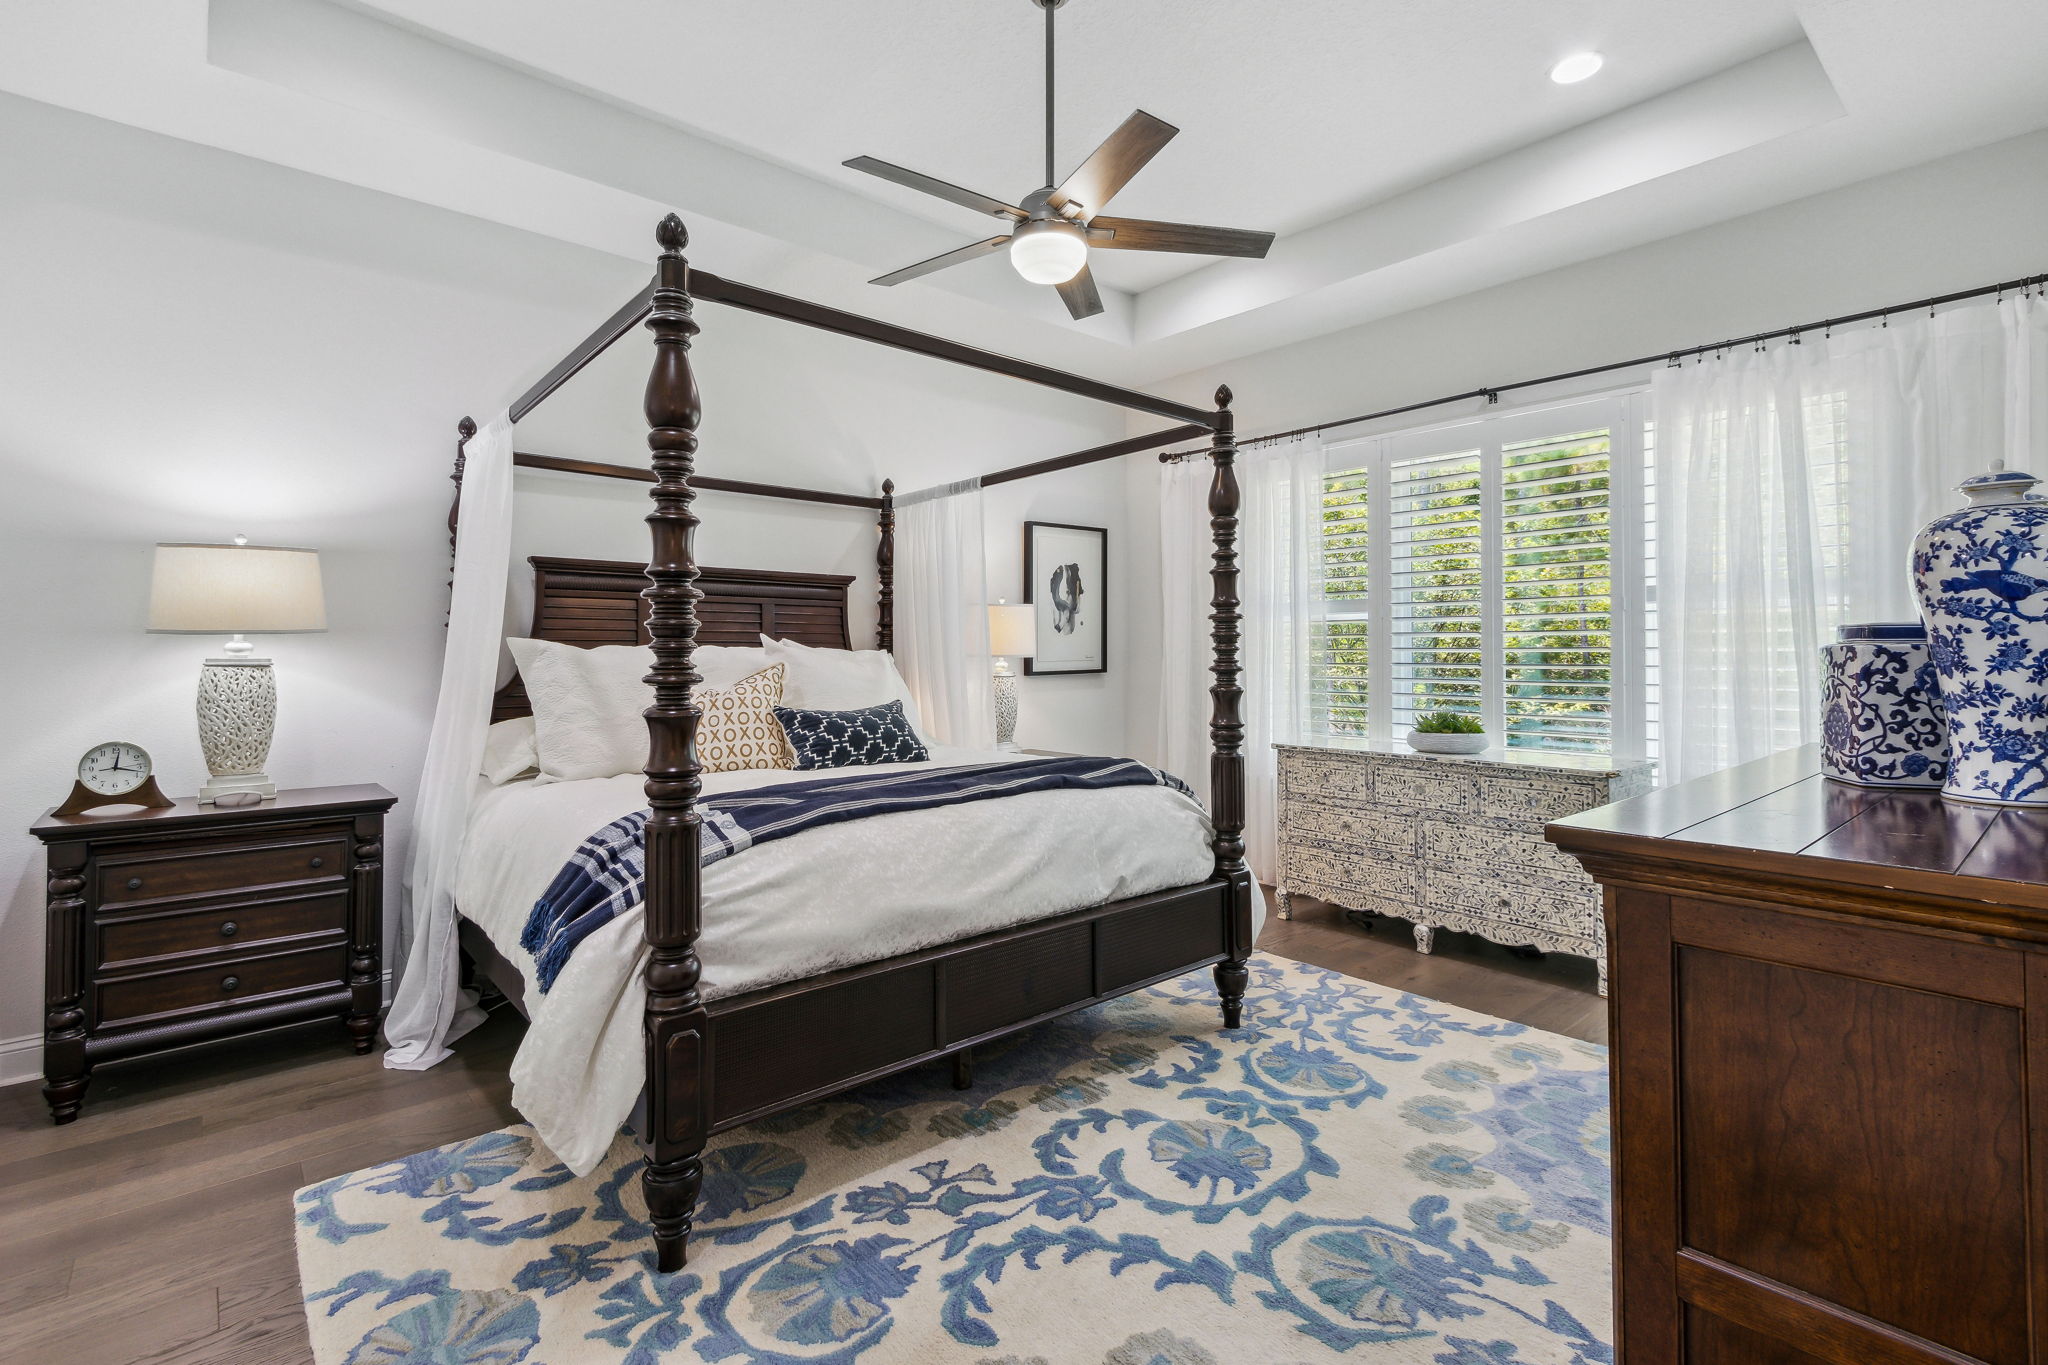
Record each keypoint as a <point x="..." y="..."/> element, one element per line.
<point x="828" y="898"/>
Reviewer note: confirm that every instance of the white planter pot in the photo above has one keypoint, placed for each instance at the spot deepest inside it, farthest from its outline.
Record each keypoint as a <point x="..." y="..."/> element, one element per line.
<point x="1447" y="744"/>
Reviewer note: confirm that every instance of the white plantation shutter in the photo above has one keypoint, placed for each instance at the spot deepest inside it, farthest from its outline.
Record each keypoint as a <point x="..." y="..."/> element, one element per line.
<point x="1557" y="593"/>
<point x="1495" y="567"/>
<point x="1340" y="652"/>
<point x="1437" y="598"/>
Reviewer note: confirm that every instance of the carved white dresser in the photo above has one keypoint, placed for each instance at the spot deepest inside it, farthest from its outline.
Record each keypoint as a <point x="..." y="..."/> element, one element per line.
<point x="1450" y="841"/>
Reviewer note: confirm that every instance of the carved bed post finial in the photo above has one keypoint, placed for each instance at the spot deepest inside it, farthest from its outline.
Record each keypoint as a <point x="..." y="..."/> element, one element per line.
<point x="464" y="429"/>
<point x="885" y="571"/>
<point x="674" y="1022"/>
<point x="1226" y="719"/>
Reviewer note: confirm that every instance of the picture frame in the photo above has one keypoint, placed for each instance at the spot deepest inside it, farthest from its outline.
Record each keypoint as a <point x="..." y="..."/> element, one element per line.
<point x="1066" y="581"/>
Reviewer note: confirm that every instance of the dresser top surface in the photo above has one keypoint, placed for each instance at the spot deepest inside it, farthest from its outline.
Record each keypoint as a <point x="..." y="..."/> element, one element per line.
<point x="1779" y="813"/>
<point x="187" y="815"/>
<point x="1586" y="765"/>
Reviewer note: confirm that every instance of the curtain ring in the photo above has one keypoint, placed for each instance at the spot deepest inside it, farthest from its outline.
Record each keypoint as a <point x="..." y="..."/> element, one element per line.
<point x="1795" y="336"/>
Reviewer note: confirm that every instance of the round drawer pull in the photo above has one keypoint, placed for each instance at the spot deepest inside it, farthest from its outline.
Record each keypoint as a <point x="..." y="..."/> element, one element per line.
<point x="229" y="928"/>
<point x="135" y="883"/>
<point x="317" y="862"/>
<point x="228" y="983"/>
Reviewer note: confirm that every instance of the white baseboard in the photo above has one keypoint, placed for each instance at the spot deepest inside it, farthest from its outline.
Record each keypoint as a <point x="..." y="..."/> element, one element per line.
<point x="21" y="1059"/>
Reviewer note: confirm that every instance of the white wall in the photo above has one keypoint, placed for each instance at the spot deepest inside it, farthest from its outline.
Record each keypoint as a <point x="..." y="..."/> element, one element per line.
<point x="1948" y="225"/>
<point x="193" y="345"/>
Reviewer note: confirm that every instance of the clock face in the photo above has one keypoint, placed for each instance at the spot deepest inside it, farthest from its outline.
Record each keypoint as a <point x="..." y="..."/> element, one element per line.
<point x="113" y="769"/>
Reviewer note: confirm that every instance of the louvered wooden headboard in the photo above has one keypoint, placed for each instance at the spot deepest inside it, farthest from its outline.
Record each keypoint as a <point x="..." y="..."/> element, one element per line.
<point x="590" y="602"/>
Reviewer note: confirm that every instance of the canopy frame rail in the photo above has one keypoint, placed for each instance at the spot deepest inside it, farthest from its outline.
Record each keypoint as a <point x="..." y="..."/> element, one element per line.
<point x="677" y="1029"/>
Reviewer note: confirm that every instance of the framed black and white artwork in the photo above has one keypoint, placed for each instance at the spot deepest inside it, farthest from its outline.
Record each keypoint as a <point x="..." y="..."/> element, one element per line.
<point x="1066" y="581"/>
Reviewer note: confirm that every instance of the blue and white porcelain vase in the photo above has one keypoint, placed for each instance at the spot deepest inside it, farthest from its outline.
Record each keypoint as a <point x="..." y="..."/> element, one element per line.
<point x="1881" y="719"/>
<point x="1982" y="577"/>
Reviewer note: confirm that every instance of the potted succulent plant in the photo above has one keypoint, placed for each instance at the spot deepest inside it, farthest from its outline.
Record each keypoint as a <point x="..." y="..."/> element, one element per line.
<point x="1447" y="732"/>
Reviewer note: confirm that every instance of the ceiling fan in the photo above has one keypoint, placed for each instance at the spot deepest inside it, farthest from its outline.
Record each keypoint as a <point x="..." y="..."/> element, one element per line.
<point x="1053" y="227"/>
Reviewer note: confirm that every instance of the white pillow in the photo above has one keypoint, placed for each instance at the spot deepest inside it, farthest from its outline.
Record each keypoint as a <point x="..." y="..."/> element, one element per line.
<point x="586" y="706"/>
<point x="724" y="665"/>
<point x="508" y="750"/>
<point x="589" y="704"/>
<point x="841" y="679"/>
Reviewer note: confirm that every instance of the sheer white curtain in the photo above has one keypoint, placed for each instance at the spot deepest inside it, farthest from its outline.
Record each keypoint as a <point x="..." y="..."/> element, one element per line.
<point x="942" y="613"/>
<point x="428" y="1008"/>
<point x="1284" y="612"/>
<point x="1280" y="582"/>
<point x="1791" y="481"/>
<point x="1180" y="738"/>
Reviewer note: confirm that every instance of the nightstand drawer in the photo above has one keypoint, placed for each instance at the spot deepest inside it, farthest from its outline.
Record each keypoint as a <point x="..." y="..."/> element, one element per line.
<point x="127" y="881"/>
<point x="135" y="939"/>
<point x="221" y="984"/>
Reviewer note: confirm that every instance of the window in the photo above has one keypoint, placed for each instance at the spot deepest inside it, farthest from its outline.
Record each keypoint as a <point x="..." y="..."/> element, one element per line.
<point x="1495" y="567"/>
<point x="1342" y="653"/>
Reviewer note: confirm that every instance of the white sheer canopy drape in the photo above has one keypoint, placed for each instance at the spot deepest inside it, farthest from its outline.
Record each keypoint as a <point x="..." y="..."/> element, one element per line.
<point x="942" y="613"/>
<point x="1180" y="736"/>
<point x="428" y="1008"/>
<point x="1791" y="482"/>
<point x="1282" y="588"/>
<point x="1280" y="582"/>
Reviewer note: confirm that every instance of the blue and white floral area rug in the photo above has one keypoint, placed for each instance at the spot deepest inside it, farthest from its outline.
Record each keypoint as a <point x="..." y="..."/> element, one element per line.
<point x="1359" y="1175"/>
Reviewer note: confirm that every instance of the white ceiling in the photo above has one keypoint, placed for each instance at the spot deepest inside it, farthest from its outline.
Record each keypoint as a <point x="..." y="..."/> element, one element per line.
<point x="1406" y="150"/>
<point x="1290" y="113"/>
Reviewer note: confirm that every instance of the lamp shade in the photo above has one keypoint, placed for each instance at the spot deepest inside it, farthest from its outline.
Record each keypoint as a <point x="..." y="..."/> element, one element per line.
<point x="235" y="589"/>
<point x="1012" y="630"/>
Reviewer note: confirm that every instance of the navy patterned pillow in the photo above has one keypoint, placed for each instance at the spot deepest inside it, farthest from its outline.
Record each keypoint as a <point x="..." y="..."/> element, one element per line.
<point x="851" y="739"/>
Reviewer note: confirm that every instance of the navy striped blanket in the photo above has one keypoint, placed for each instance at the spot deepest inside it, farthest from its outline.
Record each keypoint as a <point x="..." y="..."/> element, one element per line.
<point x="607" y="875"/>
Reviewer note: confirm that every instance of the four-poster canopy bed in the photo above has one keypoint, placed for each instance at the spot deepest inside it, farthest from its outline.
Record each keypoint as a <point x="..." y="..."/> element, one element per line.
<point x="712" y="1065"/>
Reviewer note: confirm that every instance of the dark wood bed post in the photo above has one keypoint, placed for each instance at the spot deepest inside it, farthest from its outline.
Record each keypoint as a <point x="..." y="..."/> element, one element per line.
<point x="674" y="1025"/>
<point x="1226" y="718"/>
<point x="885" y="571"/>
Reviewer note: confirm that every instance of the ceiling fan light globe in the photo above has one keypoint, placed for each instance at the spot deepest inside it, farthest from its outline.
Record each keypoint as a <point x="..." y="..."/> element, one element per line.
<point x="1048" y="252"/>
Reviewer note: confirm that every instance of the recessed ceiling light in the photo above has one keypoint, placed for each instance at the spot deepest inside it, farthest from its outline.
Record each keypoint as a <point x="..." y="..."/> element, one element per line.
<point x="1576" y="67"/>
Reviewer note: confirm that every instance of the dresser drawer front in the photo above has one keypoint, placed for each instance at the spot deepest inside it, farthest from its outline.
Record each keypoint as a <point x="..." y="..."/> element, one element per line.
<point x="1506" y="911"/>
<point x="219" y="985"/>
<point x="134" y="939"/>
<point x="1533" y="802"/>
<point x="129" y="881"/>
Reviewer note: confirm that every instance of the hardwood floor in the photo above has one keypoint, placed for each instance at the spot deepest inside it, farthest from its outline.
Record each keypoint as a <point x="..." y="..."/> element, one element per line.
<point x="157" y="1228"/>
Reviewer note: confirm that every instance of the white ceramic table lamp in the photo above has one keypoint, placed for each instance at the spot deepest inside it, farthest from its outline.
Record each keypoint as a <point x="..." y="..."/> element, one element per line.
<point x="1012" y="633"/>
<point x="236" y="590"/>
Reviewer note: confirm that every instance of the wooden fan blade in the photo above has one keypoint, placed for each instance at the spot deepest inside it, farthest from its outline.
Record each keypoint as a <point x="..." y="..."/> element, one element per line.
<point x="953" y="257"/>
<point x="1080" y="296"/>
<point x="1110" y="167"/>
<point x="1143" y="234"/>
<point x="917" y="180"/>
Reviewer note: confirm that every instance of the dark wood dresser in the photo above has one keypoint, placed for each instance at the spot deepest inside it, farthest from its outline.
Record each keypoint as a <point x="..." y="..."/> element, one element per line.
<point x="174" y="926"/>
<point x="1829" y="1021"/>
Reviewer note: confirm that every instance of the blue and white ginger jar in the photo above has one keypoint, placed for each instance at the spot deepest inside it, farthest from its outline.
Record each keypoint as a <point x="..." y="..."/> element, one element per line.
<point x="1982" y="577"/>
<point x="1881" y="719"/>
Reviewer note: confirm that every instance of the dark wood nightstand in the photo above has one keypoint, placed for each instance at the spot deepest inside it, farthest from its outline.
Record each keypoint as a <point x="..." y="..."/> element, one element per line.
<point x="180" y="925"/>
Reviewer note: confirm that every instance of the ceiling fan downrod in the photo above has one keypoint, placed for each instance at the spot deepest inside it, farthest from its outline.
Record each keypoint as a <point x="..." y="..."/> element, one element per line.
<point x="1049" y="6"/>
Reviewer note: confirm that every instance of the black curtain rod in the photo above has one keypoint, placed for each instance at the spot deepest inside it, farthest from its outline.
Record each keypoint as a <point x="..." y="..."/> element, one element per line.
<point x="1493" y="393"/>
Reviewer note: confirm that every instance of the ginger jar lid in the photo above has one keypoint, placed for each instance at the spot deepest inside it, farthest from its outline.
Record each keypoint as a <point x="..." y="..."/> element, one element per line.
<point x="2001" y="485"/>
<point x="1906" y="632"/>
